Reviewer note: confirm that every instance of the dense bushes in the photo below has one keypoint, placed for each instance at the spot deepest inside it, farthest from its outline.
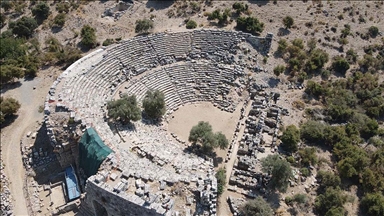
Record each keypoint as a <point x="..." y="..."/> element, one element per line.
<point x="279" y="70"/>
<point x="59" y="20"/>
<point x="373" y="204"/>
<point x="222" y="17"/>
<point x="330" y="202"/>
<point x="88" y="36"/>
<point x="23" y="27"/>
<point x="191" y="24"/>
<point x="256" y="207"/>
<point x="8" y="107"/>
<point x="249" y="24"/>
<point x="340" y="65"/>
<point x="143" y="26"/>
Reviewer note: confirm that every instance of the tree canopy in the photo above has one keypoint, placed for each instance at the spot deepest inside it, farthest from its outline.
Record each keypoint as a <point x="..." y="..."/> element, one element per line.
<point x="143" y="26"/>
<point x="8" y="107"/>
<point x="154" y="104"/>
<point x="23" y="27"/>
<point x="88" y="36"/>
<point x="290" y="138"/>
<point x="124" y="109"/>
<point x="221" y="180"/>
<point x="288" y="22"/>
<point x="373" y="204"/>
<point x="41" y="11"/>
<point x="280" y="170"/>
<point x="330" y="202"/>
<point x="250" y="24"/>
<point x="256" y="207"/>
<point x="202" y="134"/>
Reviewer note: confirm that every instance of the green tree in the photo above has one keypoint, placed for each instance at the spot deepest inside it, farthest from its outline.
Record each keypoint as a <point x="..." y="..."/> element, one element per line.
<point x="283" y="45"/>
<point x="340" y="65"/>
<point x="203" y="135"/>
<point x="143" y="26"/>
<point x="312" y="131"/>
<point x="8" y="73"/>
<point x="372" y="204"/>
<point x="327" y="179"/>
<point x="154" y="104"/>
<point x="373" y="31"/>
<point x="288" y="22"/>
<point x="23" y="27"/>
<point x="88" y="36"/>
<point x="221" y="180"/>
<point x="326" y="203"/>
<point x="8" y="107"/>
<point x="41" y="11"/>
<point x="280" y="170"/>
<point x="279" y="69"/>
<point x="124" y="109"/>
<point x="317" y="59"/>
<point x="250" y="24"/>
<point x="290" y="138"/>
<point x="256" y="207"/>
<point x="191" y="24"/>
<point x="240" y="7"/>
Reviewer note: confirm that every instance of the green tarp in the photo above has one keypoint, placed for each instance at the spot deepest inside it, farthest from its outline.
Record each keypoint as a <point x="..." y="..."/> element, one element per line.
<point x="92" y="152"/>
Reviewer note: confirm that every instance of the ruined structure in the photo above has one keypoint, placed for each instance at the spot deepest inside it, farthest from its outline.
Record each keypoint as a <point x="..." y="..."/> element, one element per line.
<point x="148" y="172"/>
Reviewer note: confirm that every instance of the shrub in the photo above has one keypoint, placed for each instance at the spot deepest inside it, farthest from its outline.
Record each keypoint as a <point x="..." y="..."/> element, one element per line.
<point x="279" y="70"/>
<point x="283" y="45"/>
<point x="143" y="26"/>
<point x="327" y="179"/>
<point x="250" y="24"/>
<point x="373" y="31"/>
<point x="317" y="59"/>
<point x="290" y="138"/>
<point x="8" y="73"/>
<point x="288" y="22"/>
<point x="8" y="107"/>
<point x="330" y="201"/>
<point x="124" y="109"/>
<point x="240" y="7"/>
<point x="154" y="104"/>
<point x="108" y="42"/>
<point x="191" y="24"/>
<point x="312" y="131"/>
<point x="41" y="11"/>
<point x="300" y="198"/>
<point x="63" y="7"/>
<point x="59" y="19"/>
<point x="308" y="156"/>
<point x="23" y="27"/>
<point x="372" y="204"/>
<point x="88" y="36"/>
<point x="305" y="172"/>
<point x="351" y="56"/>
<point x="256" y="207"/>
<point x="340" y="65"/>
<point x="221" y="180"/>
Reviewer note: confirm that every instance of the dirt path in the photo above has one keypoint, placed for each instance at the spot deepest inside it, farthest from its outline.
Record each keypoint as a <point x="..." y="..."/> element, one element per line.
<point x="27" y="119"/>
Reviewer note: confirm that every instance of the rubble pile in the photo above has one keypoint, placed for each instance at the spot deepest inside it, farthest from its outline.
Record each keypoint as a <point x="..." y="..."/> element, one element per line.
<point x="5" y="194"/>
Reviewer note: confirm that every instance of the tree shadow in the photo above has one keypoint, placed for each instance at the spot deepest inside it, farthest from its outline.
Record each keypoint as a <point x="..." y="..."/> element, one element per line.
<point x="56" y="29"/>
<point x="283" y="32"/>
<point x="9" y="86"/>
<point x="159" y="5"/>
<point x="259" y="3"/>
<point x="273" y="82"/>
<point x="8" y="121"/>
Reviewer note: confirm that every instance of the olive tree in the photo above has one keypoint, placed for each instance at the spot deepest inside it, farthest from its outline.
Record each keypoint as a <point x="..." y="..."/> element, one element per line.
<point x="154" y="104"/>
<point x="202" y="134"/>
<point x="124" y="109"/>
<point x="280" y="170"/>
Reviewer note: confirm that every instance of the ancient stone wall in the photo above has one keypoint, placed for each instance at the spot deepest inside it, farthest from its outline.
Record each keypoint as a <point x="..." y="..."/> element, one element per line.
<point x="103" y="202"/>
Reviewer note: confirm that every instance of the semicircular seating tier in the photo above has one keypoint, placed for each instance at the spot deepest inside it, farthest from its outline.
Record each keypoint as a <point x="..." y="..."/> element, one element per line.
<point x="200" y="65"/>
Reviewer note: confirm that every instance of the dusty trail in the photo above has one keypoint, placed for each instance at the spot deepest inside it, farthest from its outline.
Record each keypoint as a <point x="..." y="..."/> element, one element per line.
<point x="27" y="119"/>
